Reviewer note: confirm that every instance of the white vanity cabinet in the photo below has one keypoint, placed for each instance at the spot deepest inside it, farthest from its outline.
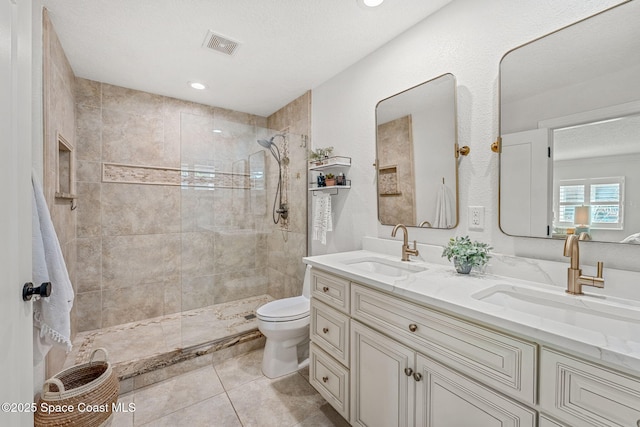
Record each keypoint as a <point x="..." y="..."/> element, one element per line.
<point x="382" y="360"/>
<point x="329" y="333"/>
<point x="580" y="393"/>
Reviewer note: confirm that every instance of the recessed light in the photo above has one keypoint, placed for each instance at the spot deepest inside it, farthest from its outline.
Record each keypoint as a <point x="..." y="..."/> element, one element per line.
<point x="371" y="3"/>
<point x="198" y="85"/>
<point x="217" y="131"/>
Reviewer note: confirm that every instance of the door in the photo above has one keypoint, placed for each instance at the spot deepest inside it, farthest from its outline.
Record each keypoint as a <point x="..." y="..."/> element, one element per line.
<point x="16" y="366"/>
<point x="445" y="398"/>
<point x="382" y="394"/>
<point x="526" y="179"/>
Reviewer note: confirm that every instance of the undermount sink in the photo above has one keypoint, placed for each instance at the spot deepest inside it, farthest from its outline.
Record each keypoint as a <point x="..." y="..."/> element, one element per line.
<point x="609" y="316"/>
<point x="385" y="267"/>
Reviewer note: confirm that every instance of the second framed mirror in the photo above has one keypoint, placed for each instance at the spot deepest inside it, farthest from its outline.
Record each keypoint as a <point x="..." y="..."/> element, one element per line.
<point x="416" y="140"/>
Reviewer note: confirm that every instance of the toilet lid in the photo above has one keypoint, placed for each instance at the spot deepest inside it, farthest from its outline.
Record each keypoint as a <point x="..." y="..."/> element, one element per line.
<point x="285" y="309"/>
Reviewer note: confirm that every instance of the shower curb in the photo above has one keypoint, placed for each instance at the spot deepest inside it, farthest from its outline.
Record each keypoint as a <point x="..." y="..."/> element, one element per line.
<point x="140" y="373"/>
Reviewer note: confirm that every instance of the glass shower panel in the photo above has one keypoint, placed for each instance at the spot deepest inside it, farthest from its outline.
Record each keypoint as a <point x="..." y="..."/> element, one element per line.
<point x="223" y="238"/>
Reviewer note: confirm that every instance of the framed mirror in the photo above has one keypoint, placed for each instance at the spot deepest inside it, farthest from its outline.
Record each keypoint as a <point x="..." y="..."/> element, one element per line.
<point x="416" y="135"/>
<point x="570" y="131"/>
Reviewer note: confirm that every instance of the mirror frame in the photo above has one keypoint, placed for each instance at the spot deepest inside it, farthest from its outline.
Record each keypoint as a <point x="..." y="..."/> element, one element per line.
<point x="496" y="146"/>
<point x="454" y="151"/>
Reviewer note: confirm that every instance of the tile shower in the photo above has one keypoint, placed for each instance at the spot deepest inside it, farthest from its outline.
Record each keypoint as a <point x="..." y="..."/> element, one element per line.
<point x="174" y="215"/>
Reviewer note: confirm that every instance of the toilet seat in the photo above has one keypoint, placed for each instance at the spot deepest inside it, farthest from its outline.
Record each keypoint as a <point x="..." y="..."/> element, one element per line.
<point x="284" y="310"/>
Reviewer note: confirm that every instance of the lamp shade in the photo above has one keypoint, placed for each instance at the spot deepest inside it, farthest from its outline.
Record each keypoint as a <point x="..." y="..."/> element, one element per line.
<point x="582" y="215"/>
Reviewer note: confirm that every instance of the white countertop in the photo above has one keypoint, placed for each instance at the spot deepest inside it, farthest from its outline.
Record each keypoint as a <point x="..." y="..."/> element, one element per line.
<point x="440" y="287"/>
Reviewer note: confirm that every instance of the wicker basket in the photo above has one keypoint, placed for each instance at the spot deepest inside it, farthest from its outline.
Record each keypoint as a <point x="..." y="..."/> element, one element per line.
<point x="82" y="395"/>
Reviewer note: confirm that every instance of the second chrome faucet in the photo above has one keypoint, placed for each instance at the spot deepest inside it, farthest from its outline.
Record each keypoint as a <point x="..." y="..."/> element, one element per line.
<point x="406" y="250"/>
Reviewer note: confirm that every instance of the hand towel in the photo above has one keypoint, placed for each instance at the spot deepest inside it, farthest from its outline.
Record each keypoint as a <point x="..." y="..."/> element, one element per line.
<point x="51" y="315"/>
<point x="444" y="210"/>
<point x="322" y="221"/>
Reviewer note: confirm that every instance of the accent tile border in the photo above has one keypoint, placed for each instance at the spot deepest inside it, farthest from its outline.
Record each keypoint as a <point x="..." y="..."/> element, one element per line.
<point x="156" y="175"/>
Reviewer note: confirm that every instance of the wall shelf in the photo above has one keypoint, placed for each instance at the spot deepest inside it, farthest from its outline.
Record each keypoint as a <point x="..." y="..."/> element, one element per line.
<point x="329" y="163"/>
<point x="335" y="162"/>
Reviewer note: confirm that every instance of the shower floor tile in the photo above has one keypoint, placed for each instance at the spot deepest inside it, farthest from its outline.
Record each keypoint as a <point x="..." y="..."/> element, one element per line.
<point x="152" y="337"/>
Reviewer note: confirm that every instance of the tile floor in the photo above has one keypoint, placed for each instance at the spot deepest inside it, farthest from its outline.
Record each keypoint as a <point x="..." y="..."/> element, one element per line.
<point x="230" y="393"/>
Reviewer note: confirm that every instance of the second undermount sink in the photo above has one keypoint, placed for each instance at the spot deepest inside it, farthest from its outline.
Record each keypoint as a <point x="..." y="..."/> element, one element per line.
<point x="385" y="267"/>
<point x="609" y="316"/>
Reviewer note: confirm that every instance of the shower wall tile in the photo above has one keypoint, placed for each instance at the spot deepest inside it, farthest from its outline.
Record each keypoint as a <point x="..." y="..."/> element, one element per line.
<point x="140" y="209"/>
<point x="133" y="139"/>
<point x="198" y="254"/>
<point x="89" y="271"/>
<point x="240" y="284"/>
<point x="89" y="209"/>
<point x="89" y="133"/>
<point x="89" y="310"/>
<point x="198" y="209"/>
<point x="172" y="294"/>
<point x="88" y="93"/>
<point x="198" y="292"/>
<point x="87" y="171"/>
<point x="128" y="261"/>
<point x="136" y="102"/>
<point x="234" y="251"/>
<point x="131" y="304"/>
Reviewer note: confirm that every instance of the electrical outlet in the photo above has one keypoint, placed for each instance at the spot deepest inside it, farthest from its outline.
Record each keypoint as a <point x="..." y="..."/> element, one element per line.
<point x="476" y="217"/>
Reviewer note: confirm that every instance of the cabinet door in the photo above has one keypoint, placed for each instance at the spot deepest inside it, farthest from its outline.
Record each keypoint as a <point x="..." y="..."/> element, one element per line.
<point x="382" y="394"/>
<point x="445" y="398"/>
<point x="581" y="393"/>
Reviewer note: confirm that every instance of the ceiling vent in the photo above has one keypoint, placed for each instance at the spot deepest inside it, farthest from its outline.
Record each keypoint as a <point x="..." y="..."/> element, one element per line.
<point x="220" y="43"/>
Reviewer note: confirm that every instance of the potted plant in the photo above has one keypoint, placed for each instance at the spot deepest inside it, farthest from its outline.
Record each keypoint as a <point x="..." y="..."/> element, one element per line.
<point x="330" y="180"/>
<point x="319" y="154"/>
<point x="466" y="254"/>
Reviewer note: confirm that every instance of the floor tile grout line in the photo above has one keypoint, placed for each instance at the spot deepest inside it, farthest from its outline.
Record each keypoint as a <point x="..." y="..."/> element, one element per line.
<point x="181" y="408"/>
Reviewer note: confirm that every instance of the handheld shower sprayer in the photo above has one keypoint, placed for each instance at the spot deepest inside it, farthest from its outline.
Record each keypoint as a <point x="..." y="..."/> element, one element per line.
<point x="283" y="211"/>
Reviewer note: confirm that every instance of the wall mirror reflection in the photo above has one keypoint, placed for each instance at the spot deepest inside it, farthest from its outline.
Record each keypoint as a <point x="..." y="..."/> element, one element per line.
<point x="415" y="145"/>
<point x="570" y="130"/>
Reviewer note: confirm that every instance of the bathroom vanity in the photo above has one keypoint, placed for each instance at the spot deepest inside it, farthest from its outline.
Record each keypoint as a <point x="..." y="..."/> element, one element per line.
<point x="403" y="344"/>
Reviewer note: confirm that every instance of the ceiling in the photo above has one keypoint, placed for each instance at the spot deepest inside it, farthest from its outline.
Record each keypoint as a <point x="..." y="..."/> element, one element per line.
<point x="286" y="46"/>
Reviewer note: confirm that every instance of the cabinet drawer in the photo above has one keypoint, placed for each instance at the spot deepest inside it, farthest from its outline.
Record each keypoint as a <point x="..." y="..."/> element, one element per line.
<point x="330" y="379"/>
<point x="506" y="363"/>
<point x="330" y="289"/>
<point x="446" y="398"/>
<point x="330" y="331"/>
<point x="581" y="393"/>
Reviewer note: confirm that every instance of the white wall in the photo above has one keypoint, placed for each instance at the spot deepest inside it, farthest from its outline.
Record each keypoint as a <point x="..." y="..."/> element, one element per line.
<point x="467" y="38"/>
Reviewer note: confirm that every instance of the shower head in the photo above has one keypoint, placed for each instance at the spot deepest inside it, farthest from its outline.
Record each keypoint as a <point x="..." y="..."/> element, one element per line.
<point x="266" y="143"/>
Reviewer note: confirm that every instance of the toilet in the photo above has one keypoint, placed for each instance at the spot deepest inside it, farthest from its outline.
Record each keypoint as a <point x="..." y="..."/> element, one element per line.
<point x="285" y="323"/>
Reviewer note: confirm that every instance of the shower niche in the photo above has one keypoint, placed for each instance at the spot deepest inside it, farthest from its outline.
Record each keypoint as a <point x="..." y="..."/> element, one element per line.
<point x="65" y="169"/>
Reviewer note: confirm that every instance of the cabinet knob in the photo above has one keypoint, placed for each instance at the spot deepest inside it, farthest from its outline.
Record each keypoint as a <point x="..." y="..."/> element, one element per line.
<point x="417" y="376"/>
<point x="413" y="327"/>
<point x="325" y="289"/>
<point x="325" y="379"/>
<point x="408" y="371"/>
<point x="325" y="330"/>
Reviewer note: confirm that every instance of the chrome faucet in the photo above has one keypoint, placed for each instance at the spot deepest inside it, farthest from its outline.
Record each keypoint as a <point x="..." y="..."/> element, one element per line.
<point x="575" y="279"/>
<point x="406" y="250"/>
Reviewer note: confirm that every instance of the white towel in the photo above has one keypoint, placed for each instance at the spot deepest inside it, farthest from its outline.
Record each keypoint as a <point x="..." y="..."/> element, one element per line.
<point x="322" y="221"/>
<point x="51" y="315"/>
<point x="444" y="210"/>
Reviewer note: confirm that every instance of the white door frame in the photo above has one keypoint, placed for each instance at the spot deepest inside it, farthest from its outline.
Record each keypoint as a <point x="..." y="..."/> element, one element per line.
<point x="16" y="132"/>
